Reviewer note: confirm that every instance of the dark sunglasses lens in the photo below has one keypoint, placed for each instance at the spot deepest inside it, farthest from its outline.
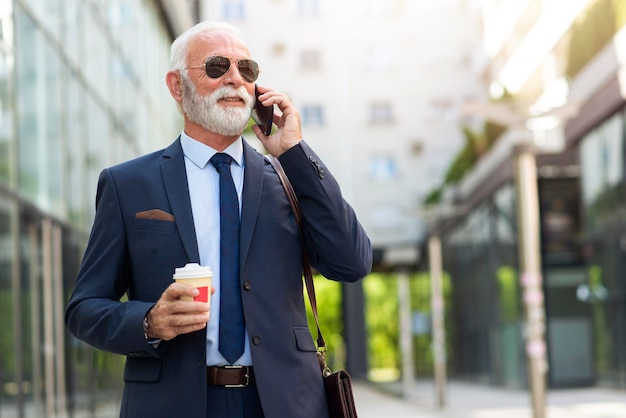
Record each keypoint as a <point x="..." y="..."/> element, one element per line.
<point x="216" y="67"/>
<point x="249" y="70"/>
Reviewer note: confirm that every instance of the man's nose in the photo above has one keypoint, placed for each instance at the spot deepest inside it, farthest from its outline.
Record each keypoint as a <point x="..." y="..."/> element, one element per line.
<point x="233" y="76"/>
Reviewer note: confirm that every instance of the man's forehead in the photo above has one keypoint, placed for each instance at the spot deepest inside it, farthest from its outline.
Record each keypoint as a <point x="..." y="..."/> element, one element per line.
<point x="218" y="43"/>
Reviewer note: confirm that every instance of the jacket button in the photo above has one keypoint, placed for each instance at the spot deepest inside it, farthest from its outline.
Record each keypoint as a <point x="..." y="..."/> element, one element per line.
<point x="256" y="340"/>
<point x="318" y="166"/>
<point x="247" y="285"/>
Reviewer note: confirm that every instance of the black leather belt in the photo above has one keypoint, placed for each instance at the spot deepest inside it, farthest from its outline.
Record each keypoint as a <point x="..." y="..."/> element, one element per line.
<point x="230" y="376"/>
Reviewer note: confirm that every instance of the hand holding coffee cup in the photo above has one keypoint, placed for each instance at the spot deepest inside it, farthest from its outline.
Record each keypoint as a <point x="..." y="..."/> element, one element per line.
<point x="173" y="315"/>
<point x="200" y="277"/>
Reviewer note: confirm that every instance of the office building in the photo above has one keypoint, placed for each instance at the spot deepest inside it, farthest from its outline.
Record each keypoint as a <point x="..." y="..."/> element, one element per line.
<point x="562" y="68"/>
<point x="81" y="88"/>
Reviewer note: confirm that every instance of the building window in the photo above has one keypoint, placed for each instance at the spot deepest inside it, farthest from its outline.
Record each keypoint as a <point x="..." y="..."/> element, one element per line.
<point x="234" y="10"/>
<point x="310" y="59"/>
<point x="121" y="69"/>
<point x="308" y="8"/>
<point x="381" y="113"/>
<point x="313" y="115"/>
<point x="441" y="108"/>
<point x="383" y="168"/>
<point x="120" y="14"/>
<point x="602" y="164"/>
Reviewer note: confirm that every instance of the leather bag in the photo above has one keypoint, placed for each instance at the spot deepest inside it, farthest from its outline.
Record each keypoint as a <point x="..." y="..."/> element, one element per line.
<point x="337" y="385"/>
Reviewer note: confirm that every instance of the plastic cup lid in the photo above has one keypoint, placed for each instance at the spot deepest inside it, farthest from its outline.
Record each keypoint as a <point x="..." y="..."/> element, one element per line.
<point x="193" y="270"/>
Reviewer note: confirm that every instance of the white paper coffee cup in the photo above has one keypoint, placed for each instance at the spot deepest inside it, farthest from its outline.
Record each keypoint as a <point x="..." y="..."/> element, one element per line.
<point x="197" y="276"/>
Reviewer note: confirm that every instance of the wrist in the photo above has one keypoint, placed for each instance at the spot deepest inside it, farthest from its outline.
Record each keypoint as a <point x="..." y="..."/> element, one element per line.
<point x="146" y="330"/>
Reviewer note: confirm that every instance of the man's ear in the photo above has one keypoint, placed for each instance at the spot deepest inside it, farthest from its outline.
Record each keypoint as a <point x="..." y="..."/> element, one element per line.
<point x="174" y="84"/>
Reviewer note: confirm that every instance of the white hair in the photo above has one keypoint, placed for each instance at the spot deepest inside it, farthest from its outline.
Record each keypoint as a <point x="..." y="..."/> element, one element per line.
<point x="178" y="50"/>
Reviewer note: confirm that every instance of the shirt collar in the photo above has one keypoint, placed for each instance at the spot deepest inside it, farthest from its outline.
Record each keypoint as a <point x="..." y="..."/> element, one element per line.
<point x="200" y="154"/>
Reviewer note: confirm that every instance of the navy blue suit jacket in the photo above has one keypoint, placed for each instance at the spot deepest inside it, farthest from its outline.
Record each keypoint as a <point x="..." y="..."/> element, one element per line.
<point x="137" y="257"/>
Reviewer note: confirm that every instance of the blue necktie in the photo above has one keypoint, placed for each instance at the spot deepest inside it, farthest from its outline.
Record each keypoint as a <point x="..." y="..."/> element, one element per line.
<point x="232" y="325"/>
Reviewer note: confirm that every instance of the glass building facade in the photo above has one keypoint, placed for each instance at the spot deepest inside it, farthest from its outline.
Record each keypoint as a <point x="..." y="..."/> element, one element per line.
<point x="480" y="254"/>
<point x="583" y="258"/>
<point x="604" y="241"/>
<point x="82" y="87"/>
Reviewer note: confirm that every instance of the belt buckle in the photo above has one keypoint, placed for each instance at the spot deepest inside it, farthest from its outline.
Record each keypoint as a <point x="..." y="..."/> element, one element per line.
<point x="247" y="375"/>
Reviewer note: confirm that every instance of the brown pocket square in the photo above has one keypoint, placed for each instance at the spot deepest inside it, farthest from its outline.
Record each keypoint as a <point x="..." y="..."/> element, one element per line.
<point x="157" y="214"/>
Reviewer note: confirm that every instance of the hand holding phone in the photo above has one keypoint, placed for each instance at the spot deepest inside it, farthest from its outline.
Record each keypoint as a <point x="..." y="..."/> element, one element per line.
<point x="263" y="116"/>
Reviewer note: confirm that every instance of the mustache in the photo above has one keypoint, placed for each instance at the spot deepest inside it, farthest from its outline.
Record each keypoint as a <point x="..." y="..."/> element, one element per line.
<point x="229" y="92"/>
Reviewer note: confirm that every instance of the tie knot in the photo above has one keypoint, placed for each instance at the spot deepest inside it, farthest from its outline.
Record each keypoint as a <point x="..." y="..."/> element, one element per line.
<point x="221" y="158"/>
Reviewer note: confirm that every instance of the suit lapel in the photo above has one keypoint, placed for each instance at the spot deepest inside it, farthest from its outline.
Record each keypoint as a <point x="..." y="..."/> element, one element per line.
<point x="251" y="196"/>
<point x="175" y="181"/>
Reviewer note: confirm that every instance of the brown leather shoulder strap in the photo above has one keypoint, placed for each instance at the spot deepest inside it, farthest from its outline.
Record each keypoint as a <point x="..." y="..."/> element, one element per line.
<point x="306" y="266"/>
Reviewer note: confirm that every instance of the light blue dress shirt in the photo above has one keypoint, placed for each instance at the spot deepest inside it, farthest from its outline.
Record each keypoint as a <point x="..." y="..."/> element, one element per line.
<point x="204" y="191"/>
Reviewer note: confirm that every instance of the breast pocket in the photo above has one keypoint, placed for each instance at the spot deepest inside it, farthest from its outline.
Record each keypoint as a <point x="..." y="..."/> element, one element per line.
<point x="155" y="248"/>
<point x="153" y="225"/>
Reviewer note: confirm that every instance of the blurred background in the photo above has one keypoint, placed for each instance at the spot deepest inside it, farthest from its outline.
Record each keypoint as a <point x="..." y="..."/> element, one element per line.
<point x="481" y="143"/>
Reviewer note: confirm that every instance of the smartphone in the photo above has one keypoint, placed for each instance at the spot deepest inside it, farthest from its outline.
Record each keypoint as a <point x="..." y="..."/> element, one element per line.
<point x="263" y="116"/>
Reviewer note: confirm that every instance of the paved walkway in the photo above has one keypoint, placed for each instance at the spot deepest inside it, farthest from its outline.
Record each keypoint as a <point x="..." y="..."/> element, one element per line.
<point x="464" y="400"/>
<point x="473" y="400"/>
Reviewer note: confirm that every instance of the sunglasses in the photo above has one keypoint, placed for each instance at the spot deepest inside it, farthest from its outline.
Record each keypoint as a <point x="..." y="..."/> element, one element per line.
<point x="217" y="66"/>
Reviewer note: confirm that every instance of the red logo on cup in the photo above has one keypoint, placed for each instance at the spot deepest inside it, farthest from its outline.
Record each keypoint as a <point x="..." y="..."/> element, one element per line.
<point x="203" y="296"/>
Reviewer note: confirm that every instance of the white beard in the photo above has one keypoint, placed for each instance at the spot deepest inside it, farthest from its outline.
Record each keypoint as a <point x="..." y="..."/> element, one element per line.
<point x="206" y="112"/>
